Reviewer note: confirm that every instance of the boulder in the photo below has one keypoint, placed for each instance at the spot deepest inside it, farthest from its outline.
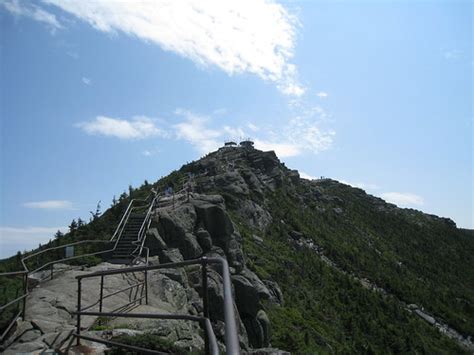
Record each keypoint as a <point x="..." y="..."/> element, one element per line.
<point x="246" y="296"/>
<point x="171" y="256"/>
<point x="276" y="295"/>
<point x="216" y="221"/>
<point x="170" y="230"/>
<point x="190" y="247"/>
<point x="204" y="239"/>
<point x="26" y="348"/>
<point x="154" y="242"/>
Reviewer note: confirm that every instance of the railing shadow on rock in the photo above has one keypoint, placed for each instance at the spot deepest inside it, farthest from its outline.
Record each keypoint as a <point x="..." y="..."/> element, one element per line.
<point x="211" y="347"/>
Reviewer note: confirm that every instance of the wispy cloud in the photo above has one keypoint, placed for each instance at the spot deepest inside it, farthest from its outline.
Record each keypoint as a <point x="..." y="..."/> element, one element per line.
<point x="194" y="130"/>
<point x="301" y="134"/>
<point x="150" y="152"/>
<point x="322" y="94"/>
<point x="252" y="127"/>
<point x="403" y="198"/>
<point x="27" y="9"/>
<point x="50" y="205"/>
<point x="361" y="185"/>
<point x="307" y="176"/>
<point x="283" y="150"/>
<point x="255" y="37"/>
<point x="14" y="239"/>
<point x="139" y="127"/>
<point x="86" y="81"/>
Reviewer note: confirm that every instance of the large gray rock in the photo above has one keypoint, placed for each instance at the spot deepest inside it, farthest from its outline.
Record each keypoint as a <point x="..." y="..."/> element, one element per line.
<point x="26" y="348"/>
<point x="254" y="214"/>
<point x="276" y="295"/>
<point x="246" y="296"/>
<point x="258" y="330"/>
<point x="190" y="247"/>
<point x="154" y="242"/>
<point x="216" y="221"/>
<point x="171" y="256"/>
<point x="204" y="239"/>
<point x="232" y="183"/>
<point x="170" y="229"/>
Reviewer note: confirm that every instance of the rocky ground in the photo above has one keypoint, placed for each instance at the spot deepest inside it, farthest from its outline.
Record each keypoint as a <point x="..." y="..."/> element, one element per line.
<point x="184" y="230"/>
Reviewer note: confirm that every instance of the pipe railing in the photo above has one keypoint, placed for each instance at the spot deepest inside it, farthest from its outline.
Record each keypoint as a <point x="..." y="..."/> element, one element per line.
<point x="26" y="271"/>
<point x="115" y="238"/>
<point x="231" y="335"/>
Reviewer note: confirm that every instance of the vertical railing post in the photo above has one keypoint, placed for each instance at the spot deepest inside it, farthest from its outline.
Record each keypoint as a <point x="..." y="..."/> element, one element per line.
<point x="78" y="310"/>
<point x="101" y="293"/>
<point x="146" y="286"/>
<point x="52" y="265"/>
<point x="25" y="291"/>
<point x="207" y="348"/>
<point x="205" y="300"/>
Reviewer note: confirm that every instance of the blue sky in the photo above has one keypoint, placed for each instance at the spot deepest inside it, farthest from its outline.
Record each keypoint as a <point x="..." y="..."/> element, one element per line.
<point x="96" y="96"/>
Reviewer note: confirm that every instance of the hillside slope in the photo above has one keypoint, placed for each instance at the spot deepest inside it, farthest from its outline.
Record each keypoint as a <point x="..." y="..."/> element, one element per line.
<point x="350" y="265"/>
<point x="356" y="274"/>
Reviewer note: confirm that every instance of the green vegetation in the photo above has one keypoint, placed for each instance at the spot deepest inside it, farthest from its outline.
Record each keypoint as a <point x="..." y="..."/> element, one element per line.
<point x="330" y="311"/>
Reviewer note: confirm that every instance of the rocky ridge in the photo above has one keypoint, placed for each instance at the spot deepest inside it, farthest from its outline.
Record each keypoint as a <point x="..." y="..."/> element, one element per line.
<point x="231" y="195"/>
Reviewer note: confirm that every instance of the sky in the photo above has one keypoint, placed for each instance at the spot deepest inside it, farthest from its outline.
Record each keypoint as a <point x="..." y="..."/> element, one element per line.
<point x="99" y="95"/>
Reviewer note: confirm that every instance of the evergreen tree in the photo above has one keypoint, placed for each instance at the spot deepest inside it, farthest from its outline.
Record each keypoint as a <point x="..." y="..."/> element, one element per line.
<point x="60" y="234"/>
<point x="73" y="226"/>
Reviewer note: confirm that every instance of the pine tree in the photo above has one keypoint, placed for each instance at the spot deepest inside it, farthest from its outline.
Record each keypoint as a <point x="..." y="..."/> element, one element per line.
<point x="73" y="226"/>
<point x="60" y="234"/>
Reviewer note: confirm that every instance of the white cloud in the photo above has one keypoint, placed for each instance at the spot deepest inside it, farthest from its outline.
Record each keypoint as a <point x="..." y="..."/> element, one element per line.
<point x="139" y="127"/>
<point x="403" y="199"/>
<point x="301" y="134"/>
<point x="150" y="152"/>
<point x="50" y="205"/>
<point x="361" y="185"/>
<point x="86" y="81"/>
<point x="25" y="8"/>
<point x="194" y="130"/>
<point x="283" y="150"/>
<point x="307" y="176"/>
<point x="14" y="239"/>
<point x="255" y="37"/>
<point x="322" y="94"/>
<point x="253" y="127"/>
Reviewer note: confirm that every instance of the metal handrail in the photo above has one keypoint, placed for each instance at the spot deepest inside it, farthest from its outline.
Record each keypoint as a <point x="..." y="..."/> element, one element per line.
<point x="117" y="235"/>
<point x="123" y="220"/>
<point x="231" y="335"/>
<point x="25" y="272"/>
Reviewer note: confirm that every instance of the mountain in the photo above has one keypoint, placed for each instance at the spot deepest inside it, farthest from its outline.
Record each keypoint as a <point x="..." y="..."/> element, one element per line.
<point x="317" y="266"/>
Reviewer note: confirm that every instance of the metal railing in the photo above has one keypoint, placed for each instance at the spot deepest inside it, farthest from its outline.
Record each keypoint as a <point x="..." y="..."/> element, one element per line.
<point x="132" y="206"/>
<point x="211" y="346"/>
<point x="26" y="271"/>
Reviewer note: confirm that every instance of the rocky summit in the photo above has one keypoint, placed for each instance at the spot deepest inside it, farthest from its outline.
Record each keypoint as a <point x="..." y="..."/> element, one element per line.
<point x="316" y="266"/>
